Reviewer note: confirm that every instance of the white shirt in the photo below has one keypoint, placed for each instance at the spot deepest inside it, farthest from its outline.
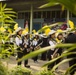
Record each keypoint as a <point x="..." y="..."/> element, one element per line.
<point x="18" y="41"/>
<point x="34" y="42"/>
<point x="26" y="42"/>
<point x="52" y="43"/>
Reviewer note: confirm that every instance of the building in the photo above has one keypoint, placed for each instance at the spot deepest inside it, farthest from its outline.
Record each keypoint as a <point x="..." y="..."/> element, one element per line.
<point x="27" y="10"/>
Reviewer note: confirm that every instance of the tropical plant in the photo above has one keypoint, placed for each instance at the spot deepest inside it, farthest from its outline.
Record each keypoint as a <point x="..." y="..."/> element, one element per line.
<point x="7" y="48"/>
<point x="6" y="16"/>
<point x="64" y="54"/>
<point x="68" y="4"/>
<point x="44" y="72"/>
<point x="6" y="21"/>
<point x="3" y="69"/>
<point x="18" y="70"/>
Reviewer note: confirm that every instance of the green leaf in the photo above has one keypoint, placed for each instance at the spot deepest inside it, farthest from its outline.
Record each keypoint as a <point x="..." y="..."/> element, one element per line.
<point x="65" y="45"/>
<point x="69" y="4"/>
<point x="11" y="15"/>
<point x="70" y="49"/>
<point x="49" y="4"/>
<point x="35" y="53"/>
<point x="49" y="26"/>
<point x="8" y="9"/>
<point x="70" y="69"/>
<point x="62" y="62"/>
<point x="10" y="12"/>
<point x="63" y="55"/>
<point x="0" y="5"/>
<point x="4" y="6"/>
<point x="6" y="18"/>
<point x="10" y="21"/>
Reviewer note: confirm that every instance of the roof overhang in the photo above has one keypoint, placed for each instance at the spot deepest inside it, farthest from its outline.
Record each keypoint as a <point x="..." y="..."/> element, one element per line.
<point x="25" y="5"/>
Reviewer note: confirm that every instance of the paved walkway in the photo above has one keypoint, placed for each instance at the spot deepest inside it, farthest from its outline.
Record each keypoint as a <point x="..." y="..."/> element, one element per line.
<point x="34" y="66"/>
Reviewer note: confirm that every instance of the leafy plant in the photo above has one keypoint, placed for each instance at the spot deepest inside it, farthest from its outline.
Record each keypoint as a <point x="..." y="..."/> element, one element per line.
<point x="20" y="71"/>
<point x="6" y="21"/>
<point x="49" y="26"/>
<point x="3" y="69"/>
<point x="64" y="54"/>
<point x="6" y="15"/>
<point x="69" y="70"/>
<point x="68" y="4"/>
<point x="45" y="72"/>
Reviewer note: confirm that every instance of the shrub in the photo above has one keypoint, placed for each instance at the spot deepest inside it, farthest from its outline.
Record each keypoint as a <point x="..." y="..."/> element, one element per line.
<point x="3" y="69"/>
<point x="45" y="72"/>
<point x="20" y="71"/>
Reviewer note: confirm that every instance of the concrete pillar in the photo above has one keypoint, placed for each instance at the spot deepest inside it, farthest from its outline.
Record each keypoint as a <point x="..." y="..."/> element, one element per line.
<point x="31" y="19"/>
<point x="68" y="18"/>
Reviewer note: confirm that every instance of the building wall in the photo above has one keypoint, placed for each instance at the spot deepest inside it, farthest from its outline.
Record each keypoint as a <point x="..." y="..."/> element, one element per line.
<point x="38" y="23"/>
<point x="74" y="20"/>
<point x="20" y="22"/>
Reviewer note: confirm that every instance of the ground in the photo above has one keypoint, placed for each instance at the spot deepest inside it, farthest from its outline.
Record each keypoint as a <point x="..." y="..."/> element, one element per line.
<point x="34" y="66"/>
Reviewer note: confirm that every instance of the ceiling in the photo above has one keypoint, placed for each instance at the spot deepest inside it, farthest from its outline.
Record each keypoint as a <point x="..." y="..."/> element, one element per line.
<point x="25" y="5"/>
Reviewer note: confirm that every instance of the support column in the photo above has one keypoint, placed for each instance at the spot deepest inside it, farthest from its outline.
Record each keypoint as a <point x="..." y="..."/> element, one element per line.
<point x="31" y="19"/>
<point x="68" y="18"/>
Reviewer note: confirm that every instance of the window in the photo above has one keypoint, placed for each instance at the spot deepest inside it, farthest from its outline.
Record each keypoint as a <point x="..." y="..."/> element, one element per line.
<point x="19" y="15"/>
<point x="44" y="14"/>
<point x="39" y="15"/>
<point x="63" y="14"/>
<point x="48" y="14"/>
<point x="26" y="15"/>
<point x="57" y="14"/>
<point x="23" y="15"/>
<point x="53" y="14"/>
<point x="35" y="15"/>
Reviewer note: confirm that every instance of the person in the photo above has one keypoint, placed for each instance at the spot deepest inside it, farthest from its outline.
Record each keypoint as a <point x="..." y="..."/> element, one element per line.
<point x="59" y="39"/>
<point x="27" y="48"/>
<point x="51" y="42"/>
<point x="44" y="44"/>
<point x="18" y="41"/>
<point x="71" y="38"/>
<point x="36" y="41"/>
